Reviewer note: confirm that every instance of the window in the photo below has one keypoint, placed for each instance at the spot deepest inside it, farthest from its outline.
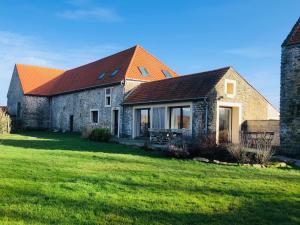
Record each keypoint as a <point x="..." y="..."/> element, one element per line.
<point x="167" y="74"/>
<point x="180" y="117"/>
<point x="107" y="97"/>
<point x="143" y="71"/>
<point x="115" y="72"/>
<point x="101" y="76"/>
<point x="230" y="88"/>
<point x="94" y="116"/>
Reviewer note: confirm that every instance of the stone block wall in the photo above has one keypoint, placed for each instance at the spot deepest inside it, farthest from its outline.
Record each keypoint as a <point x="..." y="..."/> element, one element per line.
<point x="290" y="100"/>
<point x="79" y="104"/>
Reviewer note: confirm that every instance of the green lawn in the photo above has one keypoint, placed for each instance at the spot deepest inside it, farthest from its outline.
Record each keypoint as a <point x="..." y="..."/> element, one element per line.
<point x="61" y="179"/>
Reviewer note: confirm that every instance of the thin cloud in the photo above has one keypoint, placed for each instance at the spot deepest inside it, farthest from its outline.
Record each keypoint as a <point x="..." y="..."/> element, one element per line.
<point x="95" y="14"/>
<point x="16" y="48"/>
<point x="253" y="52"/>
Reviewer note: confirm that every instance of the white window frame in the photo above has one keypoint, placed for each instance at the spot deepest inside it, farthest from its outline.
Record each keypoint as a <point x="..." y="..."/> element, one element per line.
<point x="107" y="95"/>
<point x="227" y="81"/>
<point x="91" y="116"/>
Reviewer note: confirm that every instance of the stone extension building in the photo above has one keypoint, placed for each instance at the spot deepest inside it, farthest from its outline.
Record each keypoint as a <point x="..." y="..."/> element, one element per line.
<point x="131" y="92"/>
<point x="290" y="93"/>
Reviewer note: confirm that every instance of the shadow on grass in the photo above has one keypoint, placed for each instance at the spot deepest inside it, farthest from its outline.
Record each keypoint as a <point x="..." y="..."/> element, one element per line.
<point x="73" y="142"/>
<point x="91" y="210"/>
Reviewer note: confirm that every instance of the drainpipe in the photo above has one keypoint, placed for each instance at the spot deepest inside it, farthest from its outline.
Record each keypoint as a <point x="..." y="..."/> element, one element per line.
<point x="206" y="116"/>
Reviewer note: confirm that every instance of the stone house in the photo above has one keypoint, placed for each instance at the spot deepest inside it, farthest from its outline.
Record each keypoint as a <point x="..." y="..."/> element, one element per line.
<point x="132" y="92"/>
<point x="290" y="93"/>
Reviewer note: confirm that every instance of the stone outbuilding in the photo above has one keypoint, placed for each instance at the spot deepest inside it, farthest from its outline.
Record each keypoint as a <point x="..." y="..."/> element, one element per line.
<point x="290" y="93"/>
<point x="133" y="93"/>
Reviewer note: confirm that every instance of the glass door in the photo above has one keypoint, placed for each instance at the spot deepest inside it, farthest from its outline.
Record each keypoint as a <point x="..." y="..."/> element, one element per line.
<point x="144" y="122"/>
<point x="225" y="127"/>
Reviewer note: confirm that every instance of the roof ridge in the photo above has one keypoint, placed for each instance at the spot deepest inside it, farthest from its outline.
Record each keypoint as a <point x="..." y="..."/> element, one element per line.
<point x="109" y="56"/>
<point x="193" y="74"/>
<point x="159" y="61"/>
<point x="41" y="67"/>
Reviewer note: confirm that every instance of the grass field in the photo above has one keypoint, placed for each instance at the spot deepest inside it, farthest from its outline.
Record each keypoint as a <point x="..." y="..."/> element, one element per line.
<point x="61" y="179"/>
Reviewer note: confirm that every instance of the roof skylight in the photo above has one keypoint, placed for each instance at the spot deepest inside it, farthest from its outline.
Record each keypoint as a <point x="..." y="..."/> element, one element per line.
<point x="115" y="72"/>
<point x="101" y="75"/>
<point x="143" y="71"/>
<point x="167" y="74"/>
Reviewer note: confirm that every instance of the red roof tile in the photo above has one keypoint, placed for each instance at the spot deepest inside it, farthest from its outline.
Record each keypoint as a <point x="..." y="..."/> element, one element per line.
<point x="186" y="87"/>
<point x="87" y="76"/>
<point x="294" y="36"/>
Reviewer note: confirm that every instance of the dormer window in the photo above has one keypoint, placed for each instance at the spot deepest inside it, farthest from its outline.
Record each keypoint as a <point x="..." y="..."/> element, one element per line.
<point x="115" y="72"/>
<point x="167" y="73"/>
<point x="143" y="71"/>
<point x="230" y="88"/>
<point x="101" y="76"/>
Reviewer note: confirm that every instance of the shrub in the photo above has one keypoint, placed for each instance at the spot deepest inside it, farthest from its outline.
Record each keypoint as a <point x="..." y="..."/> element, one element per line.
<point x="238" y="151"/>
<point x="5" y="122"/>
<point x="180" y="147"/>
<point x="263" y="157"/>
<point x="100" y="134"/>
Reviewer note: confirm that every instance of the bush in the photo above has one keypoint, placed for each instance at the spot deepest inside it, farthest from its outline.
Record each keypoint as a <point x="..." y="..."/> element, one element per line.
<point x="238" y="152"/>
<point x="263" y="157"/>
<point x="180" y="147"/>
<point x="5" y="122"/>
<point x="100" y="134"/>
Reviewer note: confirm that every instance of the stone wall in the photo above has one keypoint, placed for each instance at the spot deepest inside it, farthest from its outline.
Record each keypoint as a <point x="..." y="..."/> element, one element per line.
<point x="34" y="112"/>
<point x="80" y="104"/>
<point x="127" y="122"/>
<point x="290" y="100"/>
<point x="14" y="94"/>
<point x="199" y="118"/>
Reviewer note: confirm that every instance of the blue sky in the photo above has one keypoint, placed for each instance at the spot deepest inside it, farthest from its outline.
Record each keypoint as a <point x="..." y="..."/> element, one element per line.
<point x="189" y="36"/>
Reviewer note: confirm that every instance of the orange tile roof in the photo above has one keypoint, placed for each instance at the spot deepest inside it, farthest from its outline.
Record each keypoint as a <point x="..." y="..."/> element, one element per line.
<point x="32" y="77"/>
<point x="47" y="82"/>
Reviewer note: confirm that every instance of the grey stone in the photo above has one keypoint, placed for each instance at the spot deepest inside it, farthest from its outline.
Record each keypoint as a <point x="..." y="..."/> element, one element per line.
<point x="200" y="159"/>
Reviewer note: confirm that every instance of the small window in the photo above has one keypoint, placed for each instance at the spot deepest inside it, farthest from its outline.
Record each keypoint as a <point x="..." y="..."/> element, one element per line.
<point x="101" y="76"/>
<point x="167" y="74"/>
<point x="115" y="72"/>
<point x="143" y="71"/>
<point x="107" y="97"/>
<point x="230" y="88"/>
<point x="18" y="109"/>
<point x="94" y="116"/>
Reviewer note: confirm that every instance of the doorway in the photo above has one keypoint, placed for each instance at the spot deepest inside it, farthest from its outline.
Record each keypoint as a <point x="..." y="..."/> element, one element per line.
<point x="225" y="125"/>
<point x="71" y="123"/>
<point x="115" y="127"/>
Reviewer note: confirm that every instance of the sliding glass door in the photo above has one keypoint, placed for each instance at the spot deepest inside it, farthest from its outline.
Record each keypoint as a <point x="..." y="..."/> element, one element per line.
<point x="142" y="122"/>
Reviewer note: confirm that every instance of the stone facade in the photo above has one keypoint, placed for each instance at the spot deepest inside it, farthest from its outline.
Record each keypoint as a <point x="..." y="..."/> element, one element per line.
<point x="33" y="111"/>
<point x="80" y="104"/>
<point x="290" y="100"/>
<point x="55" y="112"/>
<point x="252" y="105"/>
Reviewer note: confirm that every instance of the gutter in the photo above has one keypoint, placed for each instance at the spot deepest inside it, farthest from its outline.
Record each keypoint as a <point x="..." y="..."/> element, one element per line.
<point x="163" y="101"/>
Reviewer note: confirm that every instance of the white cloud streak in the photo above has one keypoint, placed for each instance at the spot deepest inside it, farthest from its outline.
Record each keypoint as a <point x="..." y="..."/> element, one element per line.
<point x="254" y="52"/>
<point x="15" y="48"/>
<point x="99" y="14"/>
